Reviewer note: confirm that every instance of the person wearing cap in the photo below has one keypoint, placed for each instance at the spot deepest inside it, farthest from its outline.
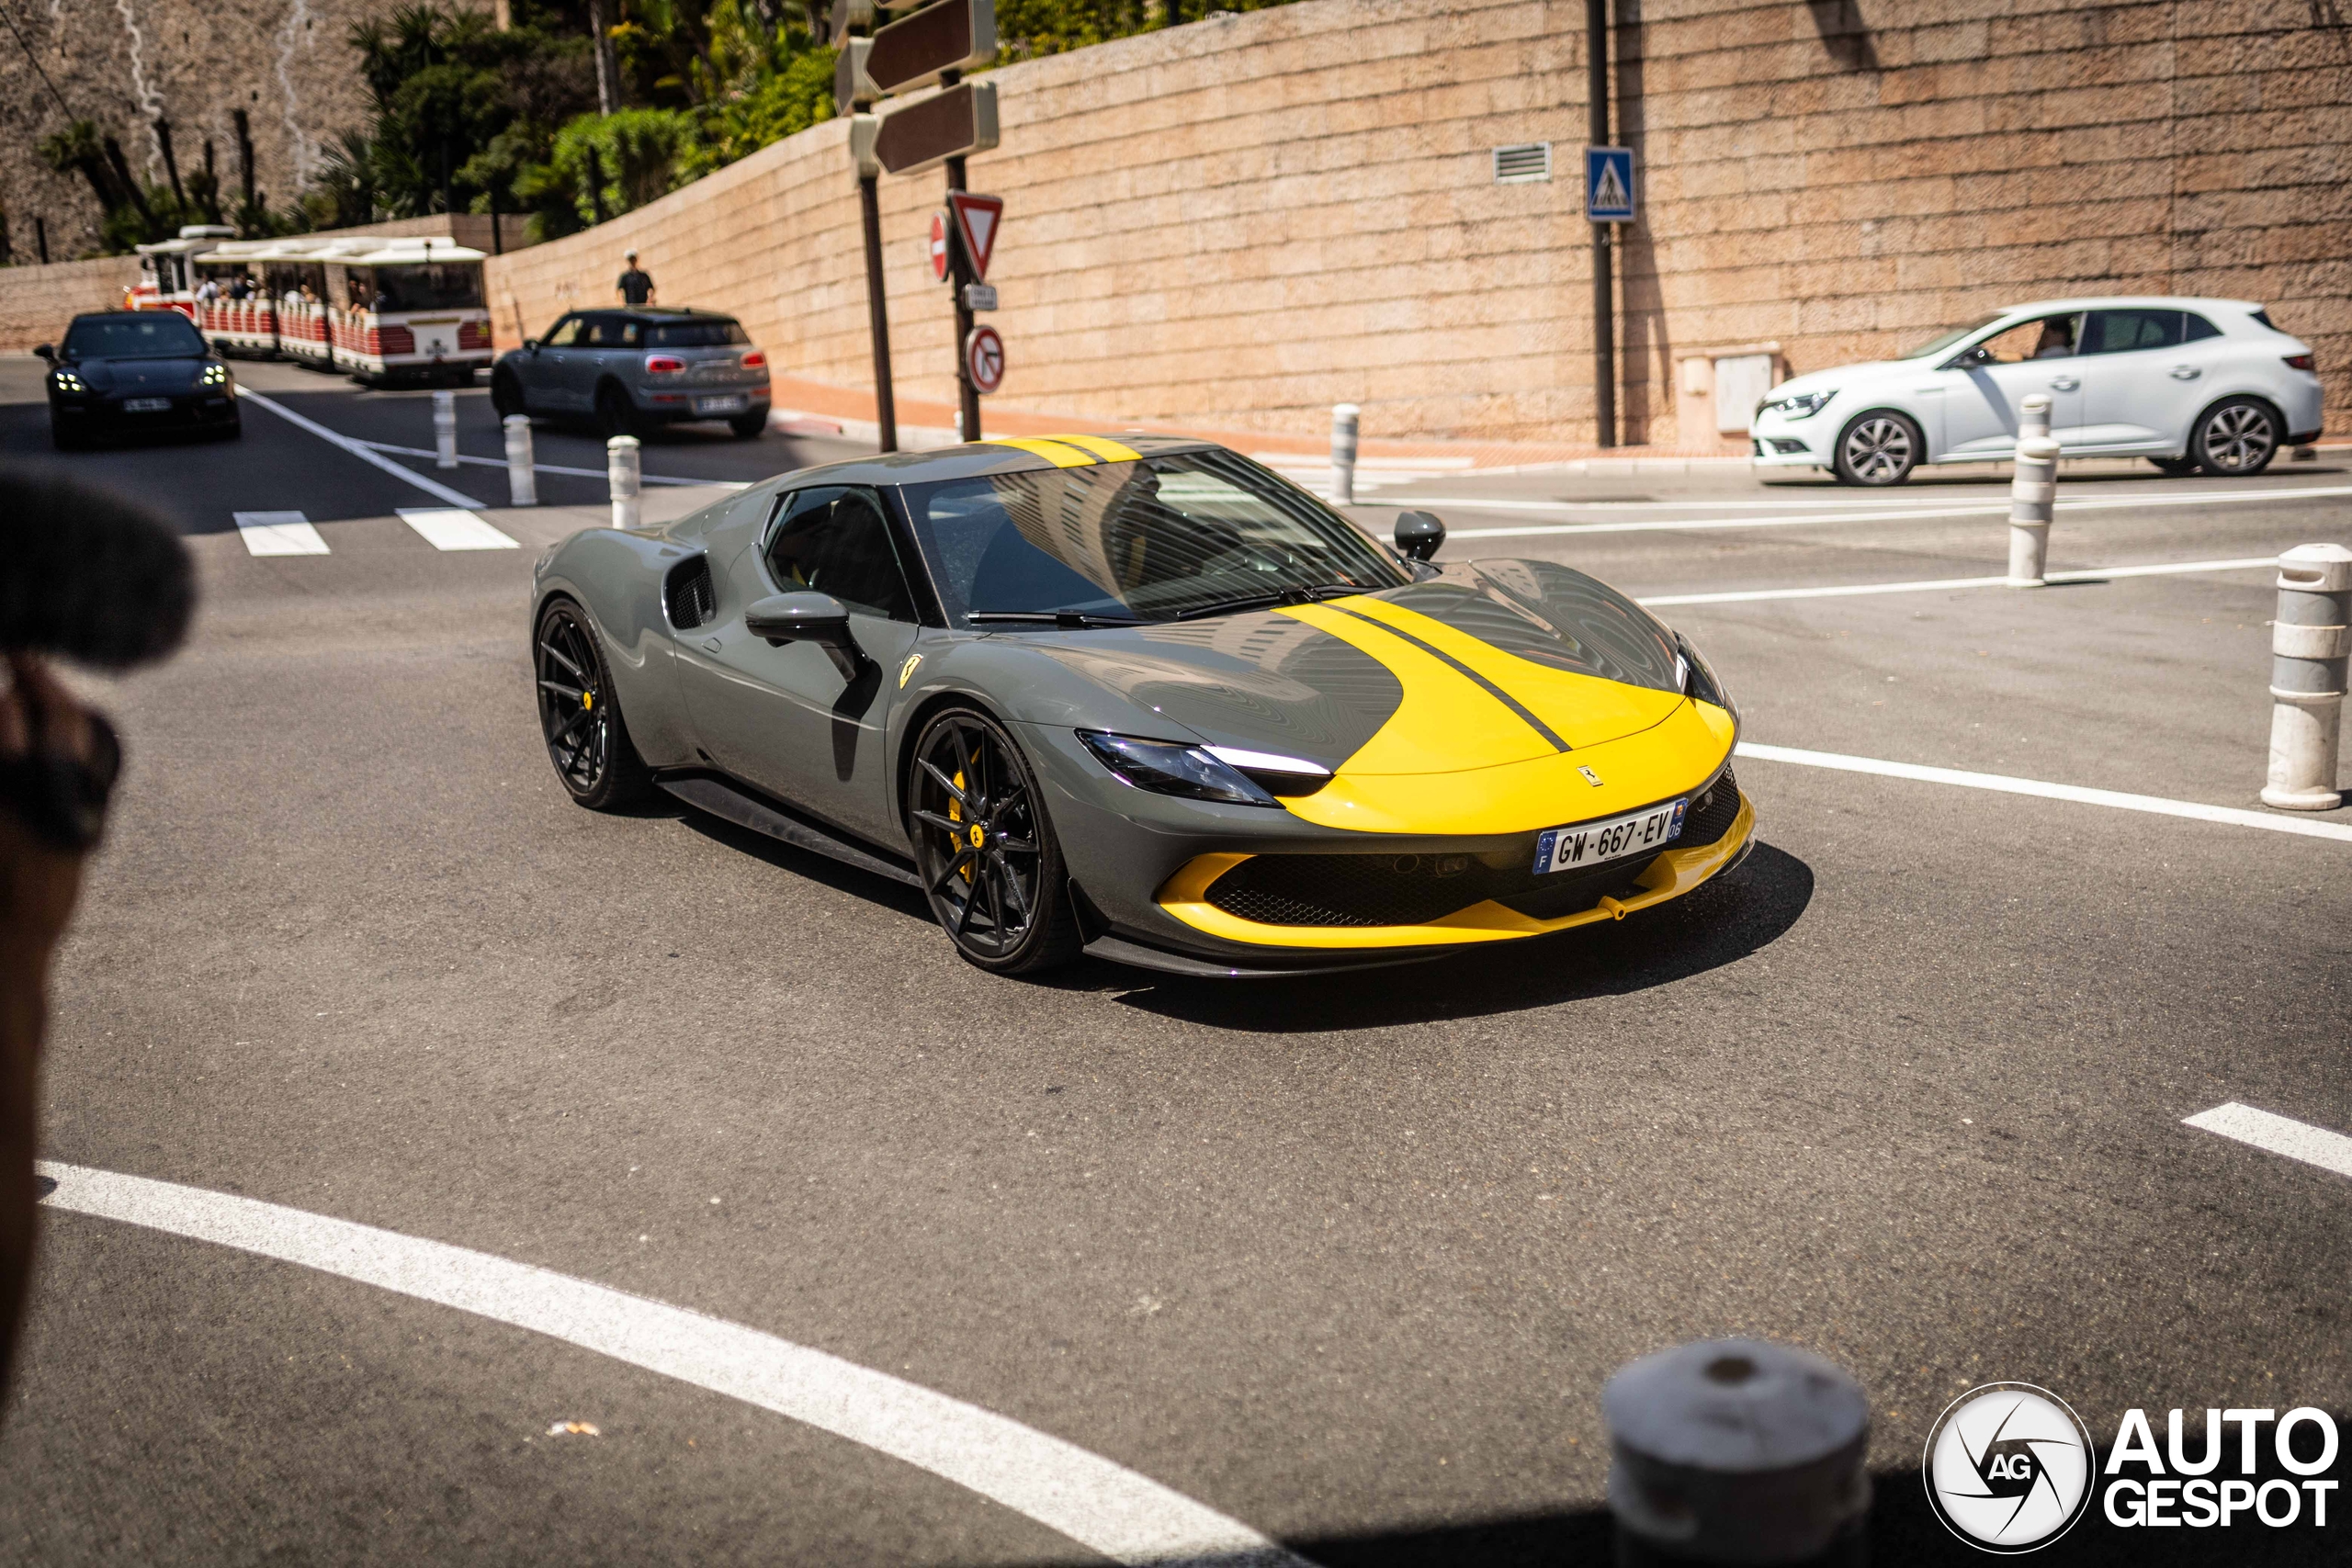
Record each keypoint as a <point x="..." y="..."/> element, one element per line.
<point x="635" y="286"/>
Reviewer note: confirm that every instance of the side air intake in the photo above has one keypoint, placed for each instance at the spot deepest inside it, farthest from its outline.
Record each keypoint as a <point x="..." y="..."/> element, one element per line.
<point x="689" y="596"/>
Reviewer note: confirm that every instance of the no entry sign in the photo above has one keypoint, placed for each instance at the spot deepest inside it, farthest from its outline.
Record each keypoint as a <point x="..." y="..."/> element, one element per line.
<point x="984" y="357"/>
<point x="939" y="246"/>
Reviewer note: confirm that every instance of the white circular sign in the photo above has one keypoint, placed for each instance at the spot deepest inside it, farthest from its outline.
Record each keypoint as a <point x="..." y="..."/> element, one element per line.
<point x="2009" y="1467"/>
<point x="939" y="246"/>
<point x="984" y="357"/>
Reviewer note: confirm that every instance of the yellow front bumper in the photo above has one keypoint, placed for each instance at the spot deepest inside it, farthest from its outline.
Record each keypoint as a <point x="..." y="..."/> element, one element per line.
<point x="1673" y="874"/>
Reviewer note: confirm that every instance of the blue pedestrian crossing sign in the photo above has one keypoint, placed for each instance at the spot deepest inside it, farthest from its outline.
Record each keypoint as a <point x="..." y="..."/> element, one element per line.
<point x="1609" y="184"/>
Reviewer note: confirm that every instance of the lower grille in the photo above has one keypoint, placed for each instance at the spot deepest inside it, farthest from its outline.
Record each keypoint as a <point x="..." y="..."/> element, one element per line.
<point x="1410" y="890"/>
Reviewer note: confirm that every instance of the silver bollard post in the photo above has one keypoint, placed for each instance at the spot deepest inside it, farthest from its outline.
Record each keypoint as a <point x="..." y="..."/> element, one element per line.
<point x="2310" y="642"/>
<point x="1738" y="1451"/>
<point x="445" y="429"/>
<point x="1344" y="419"/>
<point x="2032" y="493"/>
<point x="522" y="477"/>
<point x="622" y="470"/>
<point x="2033" y="415"/>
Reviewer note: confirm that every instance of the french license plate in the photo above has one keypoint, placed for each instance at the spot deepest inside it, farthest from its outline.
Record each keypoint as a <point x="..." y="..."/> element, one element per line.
<point x="145" y="405"/>
<point x="719" y="405"/>
<point x="1566" y="848"/>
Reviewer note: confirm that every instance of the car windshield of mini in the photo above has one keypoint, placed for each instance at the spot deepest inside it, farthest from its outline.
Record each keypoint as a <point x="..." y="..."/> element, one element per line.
<point x="1160" y="538"/>
<point x="151" y="334"/>
<point x="1942" y="341"/>
<point x="695" y="335"/>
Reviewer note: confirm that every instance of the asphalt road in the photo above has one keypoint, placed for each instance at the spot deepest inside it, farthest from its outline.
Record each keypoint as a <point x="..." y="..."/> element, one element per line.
<point x="1345" y="1260"/>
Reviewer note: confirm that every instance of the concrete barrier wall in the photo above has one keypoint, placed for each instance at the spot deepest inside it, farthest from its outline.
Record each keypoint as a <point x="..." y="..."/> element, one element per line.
<point x="36" y="301"/>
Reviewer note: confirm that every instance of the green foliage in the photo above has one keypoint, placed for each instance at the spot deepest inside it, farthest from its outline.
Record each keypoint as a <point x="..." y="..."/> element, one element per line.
<point x="604" y="165"/>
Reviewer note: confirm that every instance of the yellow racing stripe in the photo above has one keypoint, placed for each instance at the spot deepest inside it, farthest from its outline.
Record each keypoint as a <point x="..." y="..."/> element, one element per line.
<point x="1103" y="446"/>
<point x="1061" y="454"/>
<point x="1445" y="721"/>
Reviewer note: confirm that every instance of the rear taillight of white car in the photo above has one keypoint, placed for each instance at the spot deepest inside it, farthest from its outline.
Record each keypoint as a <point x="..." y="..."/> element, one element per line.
<point x="2300" y="362"/>
<point x="663" y="365"/>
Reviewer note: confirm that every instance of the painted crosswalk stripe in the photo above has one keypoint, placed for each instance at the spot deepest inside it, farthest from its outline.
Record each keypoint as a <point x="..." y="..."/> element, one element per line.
<point x="2277" y="1135"/>
<point x="278" y="534"/>
<point x="451" y="528"/>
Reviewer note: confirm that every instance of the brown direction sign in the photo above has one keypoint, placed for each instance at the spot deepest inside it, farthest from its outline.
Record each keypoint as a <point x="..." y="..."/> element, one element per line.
<point x="953" y="35"/>
<point x="956" y="123"/>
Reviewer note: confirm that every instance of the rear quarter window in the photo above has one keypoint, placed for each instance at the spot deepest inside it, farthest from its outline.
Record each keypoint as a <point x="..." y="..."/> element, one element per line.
<point x="2194" y="327"/>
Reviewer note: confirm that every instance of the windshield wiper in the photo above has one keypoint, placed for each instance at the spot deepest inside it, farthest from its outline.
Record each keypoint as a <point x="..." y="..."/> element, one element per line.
<point x="1067" y="620"/>
<point x="1275" y="599"/>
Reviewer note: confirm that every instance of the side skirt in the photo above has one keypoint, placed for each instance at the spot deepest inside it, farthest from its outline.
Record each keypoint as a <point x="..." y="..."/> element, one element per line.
<point x="723" y="797"/>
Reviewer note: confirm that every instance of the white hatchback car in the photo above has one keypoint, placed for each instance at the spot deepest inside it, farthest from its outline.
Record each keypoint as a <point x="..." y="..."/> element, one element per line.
<point x="2189" y="384"/>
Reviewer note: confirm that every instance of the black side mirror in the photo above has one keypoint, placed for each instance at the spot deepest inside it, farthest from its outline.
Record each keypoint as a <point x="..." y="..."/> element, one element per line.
<point x="1419" y="534"/>
<point x="532" y="344"/>
<point x="46" y="351"/>
<point x="808" y="617"/>
<point x="1976" y="357"/>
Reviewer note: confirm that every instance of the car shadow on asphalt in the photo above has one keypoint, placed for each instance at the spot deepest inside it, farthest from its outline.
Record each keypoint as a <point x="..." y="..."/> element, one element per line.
<point x="875" y="889"/>
<point x="1721" y="923"/>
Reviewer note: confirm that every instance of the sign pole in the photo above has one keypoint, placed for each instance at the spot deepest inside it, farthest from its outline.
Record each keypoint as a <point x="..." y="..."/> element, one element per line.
<point x="1604" y="290"/>
<point x="886" y="408"/>
<point x="960" y="273"/>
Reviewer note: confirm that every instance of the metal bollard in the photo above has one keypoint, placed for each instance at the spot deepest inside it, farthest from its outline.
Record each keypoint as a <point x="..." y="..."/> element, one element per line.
<point x="522" y="477"/>
<point x="623" y="468"/>
<point x="1344" y="419"/>
<point x="2309" y="643"/>
<point x="2032" y="493"/>
<point x="445" y="429"/>
<point x="2033" y="415"/>
<point x="1738" y="1451"/>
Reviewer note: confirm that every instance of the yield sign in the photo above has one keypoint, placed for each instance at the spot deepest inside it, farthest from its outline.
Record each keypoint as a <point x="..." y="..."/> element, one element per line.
<point x="978" y="218"/>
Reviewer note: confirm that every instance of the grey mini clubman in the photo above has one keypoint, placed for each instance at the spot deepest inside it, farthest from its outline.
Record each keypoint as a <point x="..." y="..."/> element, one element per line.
<point x="632" y="368"/>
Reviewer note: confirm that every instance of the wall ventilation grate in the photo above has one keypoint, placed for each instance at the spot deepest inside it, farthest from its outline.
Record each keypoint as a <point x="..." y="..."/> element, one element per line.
<point x="1523" y="165"/>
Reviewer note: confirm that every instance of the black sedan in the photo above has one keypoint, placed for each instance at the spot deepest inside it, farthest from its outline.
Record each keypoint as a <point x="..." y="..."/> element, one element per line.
<point x="126" y="372"/>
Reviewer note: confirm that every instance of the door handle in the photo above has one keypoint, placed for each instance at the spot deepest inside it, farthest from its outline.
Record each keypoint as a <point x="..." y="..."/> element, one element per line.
<point x="2186" y="373"/>
<point x="2063" y="383"/>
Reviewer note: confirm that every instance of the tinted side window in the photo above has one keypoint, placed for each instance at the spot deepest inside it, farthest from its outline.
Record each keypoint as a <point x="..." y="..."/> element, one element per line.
<point x="2123" y="332"/>
<point x="565" y="333"/>
<point x="2045" y="337"/>
<point x="837" y="541"/>
<point x="2194" y="327"/>
<point x="614" y="331"/>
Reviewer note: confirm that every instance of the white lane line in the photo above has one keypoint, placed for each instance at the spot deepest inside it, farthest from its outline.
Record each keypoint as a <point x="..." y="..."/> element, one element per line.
<point x="278" y="534"/>
<point x="1844" y="590"/>
<point x="1918" y="501"/>
<point x="448" y="529"/>
<point x="2117" y="800"/>
<point x="549" y="468"/>
<point x="2277" y="1135"/>
<point x="1105" y="1507"/>
<point x="360" y="450"/>
<point x="1906" y="514"/>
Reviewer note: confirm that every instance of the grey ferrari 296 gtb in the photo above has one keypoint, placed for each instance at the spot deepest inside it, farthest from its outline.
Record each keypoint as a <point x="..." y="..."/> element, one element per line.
<point x="1144" y="699"/>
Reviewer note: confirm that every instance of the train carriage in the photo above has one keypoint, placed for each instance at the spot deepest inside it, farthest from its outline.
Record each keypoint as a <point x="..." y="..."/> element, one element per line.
<point x="294" y="274"/>
<point x="167" y="277"/>
<point x="411" y="310"/>
<point x="241" y="319"/>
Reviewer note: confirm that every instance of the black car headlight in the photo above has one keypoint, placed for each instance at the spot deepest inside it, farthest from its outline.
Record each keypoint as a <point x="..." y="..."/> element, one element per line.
<point x="1699" y="679"/>
<point x="1197" y="773"/>
<point x="66" y="381"/>
<point x="1796" y="405"/>
<point x="214" y="376"/>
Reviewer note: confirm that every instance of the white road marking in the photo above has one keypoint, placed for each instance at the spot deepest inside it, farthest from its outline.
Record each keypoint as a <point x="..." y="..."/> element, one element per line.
<point x="1917" y="500"/>
<point x="278" y="534"/>
<point x="2279" y="823"/>
<point x="360" y="450"/>
<point x="1844" y="590"/>
<point x="550" y="468"/>
<point x="449" y="528"/>
<point x="2277" y="1135"/>
<point x="1904" y="514"/>
<point x="1105" y="1507"/>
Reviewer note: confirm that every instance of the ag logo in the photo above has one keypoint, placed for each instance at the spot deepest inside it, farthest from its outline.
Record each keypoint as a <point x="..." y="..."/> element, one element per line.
<point x="2009" y="1467"/>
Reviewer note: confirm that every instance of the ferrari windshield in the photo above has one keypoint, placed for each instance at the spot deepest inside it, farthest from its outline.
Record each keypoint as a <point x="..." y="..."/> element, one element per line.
<point x="1148" y="540"/>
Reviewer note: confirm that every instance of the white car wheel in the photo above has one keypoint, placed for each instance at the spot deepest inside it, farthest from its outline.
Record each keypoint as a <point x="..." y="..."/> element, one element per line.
<point x="1879" y="448"/>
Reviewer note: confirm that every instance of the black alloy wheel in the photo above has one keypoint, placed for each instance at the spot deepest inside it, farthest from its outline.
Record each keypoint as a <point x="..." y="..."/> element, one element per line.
<point x="506" y="394"/>
<point x="2235" y="436"/>
<point x="1881" y="447"/>
<point x="985" y="853"/>
<point x="616" y="415"/>
<point x="587" y="740"/>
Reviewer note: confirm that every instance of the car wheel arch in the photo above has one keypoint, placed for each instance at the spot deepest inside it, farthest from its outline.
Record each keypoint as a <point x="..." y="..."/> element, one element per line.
<point x="1846" y="427"/>
<point x="926" y="707"/>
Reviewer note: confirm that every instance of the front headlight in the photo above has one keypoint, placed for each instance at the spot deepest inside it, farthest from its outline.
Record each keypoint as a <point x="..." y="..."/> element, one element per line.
<point x="214" y="376"/>
<point x="66" y="381"/>
<point x="1797" y="405"/>
<point x="1190" y="772"/>
<point x="1698" y="677"/>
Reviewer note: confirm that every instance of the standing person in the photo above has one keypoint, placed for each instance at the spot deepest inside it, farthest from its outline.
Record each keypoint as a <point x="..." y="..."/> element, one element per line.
<point x="635" y="286"/>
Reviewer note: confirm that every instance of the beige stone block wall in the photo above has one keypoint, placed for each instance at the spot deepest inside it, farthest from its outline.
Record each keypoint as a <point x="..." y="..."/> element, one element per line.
<point x="36" y="301"/>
